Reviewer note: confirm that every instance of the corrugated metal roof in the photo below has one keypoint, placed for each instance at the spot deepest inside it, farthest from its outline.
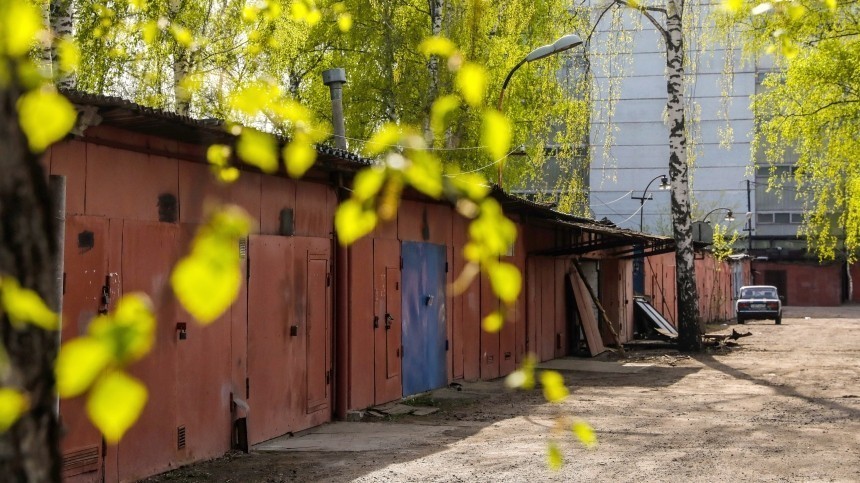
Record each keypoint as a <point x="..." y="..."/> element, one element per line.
<point x="122" y="113"/>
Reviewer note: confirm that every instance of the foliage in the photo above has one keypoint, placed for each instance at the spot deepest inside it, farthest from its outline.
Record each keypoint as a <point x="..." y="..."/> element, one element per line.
<point x="723" y="245"/>
<point x="222" y="56"/>
<point x="810" y="108"/>
<point x="215" y="48"/>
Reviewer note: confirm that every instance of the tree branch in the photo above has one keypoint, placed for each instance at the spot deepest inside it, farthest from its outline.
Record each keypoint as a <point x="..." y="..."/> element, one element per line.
<point x="645" y="12"/>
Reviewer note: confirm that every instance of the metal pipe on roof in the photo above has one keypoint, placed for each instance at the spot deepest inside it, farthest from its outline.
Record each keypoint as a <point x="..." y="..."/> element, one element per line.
<point x="335" y="79"/>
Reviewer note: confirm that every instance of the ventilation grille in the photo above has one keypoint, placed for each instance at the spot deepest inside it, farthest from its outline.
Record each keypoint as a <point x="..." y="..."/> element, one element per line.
<point x="180" y="437"/>
<point x="81" y="461"/>
<point x="243" y="248"/>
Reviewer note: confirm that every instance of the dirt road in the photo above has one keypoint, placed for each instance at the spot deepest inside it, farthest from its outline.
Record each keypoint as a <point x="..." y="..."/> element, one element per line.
<point x="783" y="406"/>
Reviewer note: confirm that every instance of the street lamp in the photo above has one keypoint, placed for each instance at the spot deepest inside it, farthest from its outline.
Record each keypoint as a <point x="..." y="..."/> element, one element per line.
<point x="729" y="215"/>
<point x="664" y="185"/>
<point x="566" y="42"/>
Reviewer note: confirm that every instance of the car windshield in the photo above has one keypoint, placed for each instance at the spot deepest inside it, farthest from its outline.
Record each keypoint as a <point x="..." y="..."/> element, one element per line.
<point x="759" y="293"/>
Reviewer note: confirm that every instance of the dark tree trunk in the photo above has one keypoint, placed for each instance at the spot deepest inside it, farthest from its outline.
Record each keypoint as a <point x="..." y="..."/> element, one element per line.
<point x="29" y="450"/>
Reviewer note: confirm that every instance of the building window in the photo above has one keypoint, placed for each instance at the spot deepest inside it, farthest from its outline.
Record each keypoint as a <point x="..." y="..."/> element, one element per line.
<point x="765" y="218"/>
<point x="782" y="218"/>
<point x="796" y="218"/>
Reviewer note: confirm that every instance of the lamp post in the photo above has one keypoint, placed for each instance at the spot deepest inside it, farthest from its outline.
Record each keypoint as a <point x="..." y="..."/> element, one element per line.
<point x="664" y="185"/>
<point x="730" y="216"/>
<point x="566" y="42"/>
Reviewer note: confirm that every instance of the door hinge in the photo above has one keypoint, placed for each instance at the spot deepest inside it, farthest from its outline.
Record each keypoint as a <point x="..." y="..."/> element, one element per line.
<point x="328" y="279"/>
<point x="247" y="388"/>
<point x="446" y="267"/>
<point x="446" y="345"/>
<point x="248" y="267"/>
<point x="401" y="263"/>
<point x="328" y="376"/>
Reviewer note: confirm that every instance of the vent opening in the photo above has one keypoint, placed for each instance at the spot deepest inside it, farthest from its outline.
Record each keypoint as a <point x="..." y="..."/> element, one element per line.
<point x="180" y="437"/>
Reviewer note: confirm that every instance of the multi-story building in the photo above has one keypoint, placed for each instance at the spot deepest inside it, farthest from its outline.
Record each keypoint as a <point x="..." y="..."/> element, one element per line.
<point x="629" y="149"/>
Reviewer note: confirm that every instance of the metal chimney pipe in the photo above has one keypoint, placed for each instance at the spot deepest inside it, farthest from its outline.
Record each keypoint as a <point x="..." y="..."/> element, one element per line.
<point x="335" y="79"/>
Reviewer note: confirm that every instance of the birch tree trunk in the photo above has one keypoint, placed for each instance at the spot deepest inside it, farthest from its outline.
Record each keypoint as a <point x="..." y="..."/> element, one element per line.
<point x="689" y="331"/>
<point x="181" y="66"/>
<point x="29" y="450"/>
<point x="60" y="12"/>
<point x="436" y="7"/>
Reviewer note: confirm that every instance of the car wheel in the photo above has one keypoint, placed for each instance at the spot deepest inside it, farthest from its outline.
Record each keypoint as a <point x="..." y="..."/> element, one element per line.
<point x="779" y="320"/>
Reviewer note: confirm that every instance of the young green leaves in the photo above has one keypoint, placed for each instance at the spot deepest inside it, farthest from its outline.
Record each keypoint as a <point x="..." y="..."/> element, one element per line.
<point x="208" y="279"/>
<point x="96" y="363"/>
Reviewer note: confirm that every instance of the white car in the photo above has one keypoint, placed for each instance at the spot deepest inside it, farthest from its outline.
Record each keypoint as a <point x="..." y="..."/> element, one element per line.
<point x="758" y="302"/>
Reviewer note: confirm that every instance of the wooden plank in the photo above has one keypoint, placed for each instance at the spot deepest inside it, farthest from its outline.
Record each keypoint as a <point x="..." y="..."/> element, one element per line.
<point x="586" y="316"/>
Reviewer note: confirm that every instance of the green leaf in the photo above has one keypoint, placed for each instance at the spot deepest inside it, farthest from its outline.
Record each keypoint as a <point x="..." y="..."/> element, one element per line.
<point x="21" y="23"/>
<point x="472" y="83"/>
<point x="367" y="183"/>
<point x="554" y="389"/>
<point x="425" y="173"/>
<point x="352" y="221"/>
<point x="25" y="306"/>
<point x="382" y="140"/>
<point x="218" y="154"/>
<point x="496" y="134"/>
<point x="584" y="433"/>
<point x="472" y="185"/>
<point x="45" y="117"/>
<point x="506" y="281"/>
<point x="12" y="405"/>
<point x="208" y="279"/>
<point x="437" y="45"/>
<point x="79" y="363"/>
<point x="255" y="98"/>
<point x="554" y="457"/>
<point x="732" y="6"/>
<point x="259" y="149"/>
<point x="493" y="322"/>
<point x="440" y="110"/>
<point x="299" y="156"/>
<point x="344" y="22"/>
<point x="69" y="54"/>
<point x="129" y="331"/>
<point x="115" y="403"/>
<point x="183" y="36"/>
<point x="523" y="378"/>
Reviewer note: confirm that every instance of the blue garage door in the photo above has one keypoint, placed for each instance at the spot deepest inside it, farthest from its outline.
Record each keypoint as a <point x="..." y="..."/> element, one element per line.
<point x="424" y="333"/>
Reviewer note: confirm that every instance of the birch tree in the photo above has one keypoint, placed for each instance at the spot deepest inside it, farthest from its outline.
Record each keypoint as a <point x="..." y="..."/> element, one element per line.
<point x="668" y="20"/>
<point x="809" y="109"/>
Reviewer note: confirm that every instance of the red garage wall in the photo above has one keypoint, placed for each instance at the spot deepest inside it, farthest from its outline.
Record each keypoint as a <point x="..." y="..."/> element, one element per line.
<point x="119" y="235"/>
<point x="805" y="284"/>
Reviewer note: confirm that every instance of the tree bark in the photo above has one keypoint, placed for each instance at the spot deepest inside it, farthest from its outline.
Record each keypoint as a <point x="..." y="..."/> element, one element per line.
<point x="181" y="66"/>
<point x="29" y="450"/>
<point x="689" y="331"/>
<point x="436" y="7"/>
<point x="60" y="12"/>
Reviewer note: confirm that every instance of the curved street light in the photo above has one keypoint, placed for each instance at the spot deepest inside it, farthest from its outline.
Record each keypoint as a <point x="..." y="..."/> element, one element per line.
<point x="566" y="42"/>
<point x="664" y="185"/>
<point x="729" y="215"/>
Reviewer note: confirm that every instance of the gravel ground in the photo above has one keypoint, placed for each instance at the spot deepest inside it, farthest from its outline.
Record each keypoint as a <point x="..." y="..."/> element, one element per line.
<point x="784" y="405"/>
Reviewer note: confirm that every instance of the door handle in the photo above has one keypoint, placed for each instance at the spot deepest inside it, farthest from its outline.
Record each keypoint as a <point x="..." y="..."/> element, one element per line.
<point x="375" y="321"/>
<point x="388" y="320"/>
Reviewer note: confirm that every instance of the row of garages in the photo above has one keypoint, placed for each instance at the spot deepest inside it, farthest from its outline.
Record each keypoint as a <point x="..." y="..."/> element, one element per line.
<point x="318" y="330"/>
